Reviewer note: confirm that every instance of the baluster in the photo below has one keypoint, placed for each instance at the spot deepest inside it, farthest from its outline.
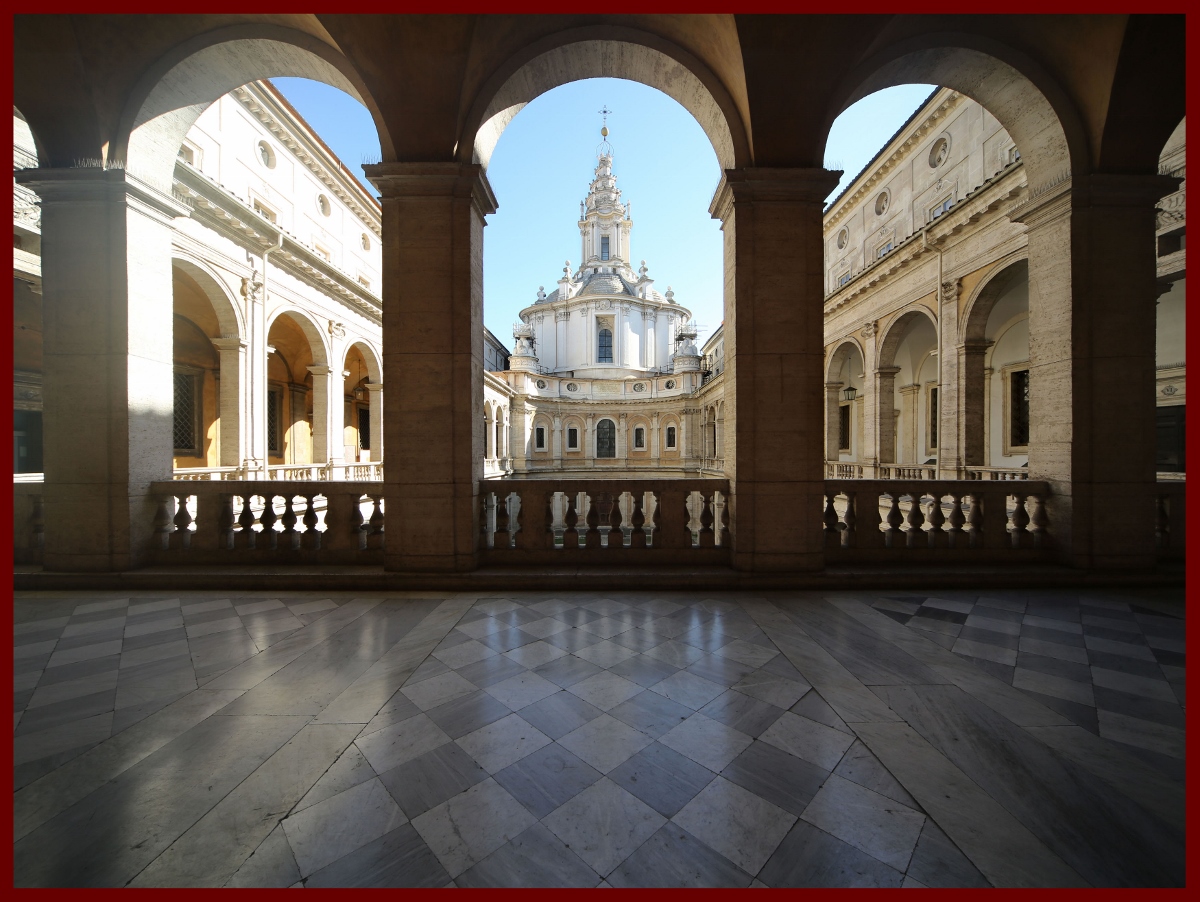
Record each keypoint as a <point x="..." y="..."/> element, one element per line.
<point x="1162" y="523"/>
<point x="592" y="536"/>
<point x="833" y="538"/>
<point x="267" y="520"/>
<point x="487" y="502"/>
<point x="937" y="537"/>
<point x="503" y="538"/>
<point x="849" y="535"/>
<point x="225" y="523"/>
<point x="358" y="528"/>
<point x="182" y="537"/>
<point x="916" y="517"/>
<point x="956" y="538"/>
<point x="616" y="537"/>
<point x="1020" y="520"/>
<point x="311" y="538"/>
<point x="1037" y="520"/>
<point x="570" y="520"/>
<point x="375" y="538"/>
<point x="975" y="521"/>
<point x="891" y="538"/>
<point x="549" y="517"/>
<point x="655" y="536"/>
<point x="291" y="538"/>
<point x="244" y="536"/>
<point x="162" y="521"/>
<point x="706" y="521"/>
<point x="723" y="525"/>
<point x="637" y="519"/>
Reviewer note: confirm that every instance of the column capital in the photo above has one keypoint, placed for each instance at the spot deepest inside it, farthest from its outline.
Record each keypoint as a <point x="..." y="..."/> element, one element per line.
<point x="320" y="370"/>
<point x="976" y="346"/>
<point x="373" y="386"/>
<point x="1051" y="199"/>
<point x="768" y="184"/>
<point x="464" y="180"/>
<point x="887" y="370"/>
<point x="832" y="386"/>
<point x="73" y="186"/>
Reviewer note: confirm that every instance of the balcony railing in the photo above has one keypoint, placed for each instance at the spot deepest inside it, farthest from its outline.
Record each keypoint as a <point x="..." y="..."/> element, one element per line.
<point x="650" y="521"/>
<point x="369" y="471"/>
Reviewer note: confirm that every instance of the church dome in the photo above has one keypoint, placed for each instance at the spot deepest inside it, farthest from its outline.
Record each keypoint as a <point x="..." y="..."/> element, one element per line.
<point x="605" y="284"/>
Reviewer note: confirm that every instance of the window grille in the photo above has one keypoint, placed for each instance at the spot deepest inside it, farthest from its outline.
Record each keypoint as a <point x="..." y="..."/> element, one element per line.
<point x="572" y="438"/>
<point x="364" y="428"/>
<point x="274" y="421"/>
<point x="604" y="351"/>
<point x="185" y="420"/>
<point x="606" y="439"/>
<point x="604" y="248"/>
<point x="1018" y="408"/>
<point x="844" y="428"/>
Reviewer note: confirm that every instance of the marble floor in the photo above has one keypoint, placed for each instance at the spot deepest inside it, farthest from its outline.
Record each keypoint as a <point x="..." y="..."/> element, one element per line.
<point x="951" y="738"/>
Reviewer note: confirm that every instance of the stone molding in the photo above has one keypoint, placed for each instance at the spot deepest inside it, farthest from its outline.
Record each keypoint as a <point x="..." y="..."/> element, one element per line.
<point x="771" y="185"/>
<point x="460" y="180"/>
<point x="93" y="185"/>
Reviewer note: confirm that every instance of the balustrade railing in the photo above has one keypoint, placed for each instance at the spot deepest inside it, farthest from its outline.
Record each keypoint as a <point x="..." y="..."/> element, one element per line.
<point x="368" y="471"/>
<point x="835" y="470"/>
<point x="893" y="471"/>
<point x="260" y="521"/>
<point x="998" y="474"/>
<point x="207" y="474"/>
<point x="655" y="521"/>
<point x="870" y="520"/>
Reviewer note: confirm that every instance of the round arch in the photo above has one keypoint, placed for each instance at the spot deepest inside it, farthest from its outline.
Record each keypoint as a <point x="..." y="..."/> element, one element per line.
<point x="1024" y="98"/>
<point x="897" y="330"/>
<point x="225" y="306"/>
<point x="370" y="357"/>
<point x="1006" y="273"/>
<point x="838" y="358"/>
<point x="180" y="85"/>
<point x="316" y="341"/>
<point x="604" y="52"/>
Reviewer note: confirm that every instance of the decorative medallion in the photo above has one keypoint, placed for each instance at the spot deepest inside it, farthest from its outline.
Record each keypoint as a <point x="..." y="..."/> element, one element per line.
<point x="1169" y="390"/>
<point x="541" y="383"/>
<point x="639" y="386"/>
<point x="571" y="386"/>
<point x="843" y="238"/>
<point x="670" y="383"/>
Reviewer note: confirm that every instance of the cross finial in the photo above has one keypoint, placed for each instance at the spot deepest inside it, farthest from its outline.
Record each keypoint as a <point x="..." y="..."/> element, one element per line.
<point x="605" y="112"/>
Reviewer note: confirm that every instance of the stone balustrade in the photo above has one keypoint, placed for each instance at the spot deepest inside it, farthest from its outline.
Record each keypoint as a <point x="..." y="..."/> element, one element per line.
<point x="260" y="521"/>
<point x="875" y="520"/>
<point x="658" y="521"/>
<point x="368" y="471"/>
<point x="1002" y="474"/>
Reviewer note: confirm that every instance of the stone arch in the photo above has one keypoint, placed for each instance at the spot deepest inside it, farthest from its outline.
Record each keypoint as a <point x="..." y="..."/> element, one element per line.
<point x="370" y="356"/>
<point x="898" y="329"/>
<point x="605" y="51"/>
<point x="180" y="85"/>
<point x="209" y="280"/>
<point x="39" y="152"/>
<point x="838" y="358"/>
<point x="1030" y="104"/>
<point x="1006" y="273"/>
<point x="316" y="340"/>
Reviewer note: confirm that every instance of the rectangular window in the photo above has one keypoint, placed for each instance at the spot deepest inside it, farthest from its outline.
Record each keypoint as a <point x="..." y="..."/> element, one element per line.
<point x="843" y="278"/>
<point x="844" y="428"/>
<point x="572" y="438"/>
<point x="265" y="212"/>
<point x="1018" y="408"/>
<point x="933" y="418"/>
<point x="884" y="248"/>
<point x="604" y="248"/>
<point x="539" y="438"/>
<point x="322" y="252"/>
<point x="670" y="436"/>
<point x="1171" y="434"/>
<point x="275" y="421"/>
<point x="364" y="282"/>
<point x="187" y="410"/>
<point x="941" y="208"/>
<point x="364" y="428"/>
<point x="639" y="438"/>
<point x="187" y="155"/>
<point x="604" y="348"/>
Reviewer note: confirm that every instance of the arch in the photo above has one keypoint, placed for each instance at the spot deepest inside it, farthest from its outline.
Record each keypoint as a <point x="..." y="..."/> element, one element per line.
<point x="1033" y="108"/>
<point x="316" y="340"/>
<point x="1006" y="273"/>
<point x="208" y="278"/>
<point x="501" y="435"/>
<point x="370" y="356"/>
<point x="838" y="358"/>
<point x="897" y="329"/>
<point x="573" y="421"/>
<point x="604" y="51"/>
<point x="181" y="84"/>
<point x="39" y="152"/>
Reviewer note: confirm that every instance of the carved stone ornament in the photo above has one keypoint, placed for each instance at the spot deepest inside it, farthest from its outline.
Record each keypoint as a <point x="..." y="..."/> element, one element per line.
<point x="869" y="329"/>
<point x="541" y="383"/>
<point x="950" y="290"/>
<point x="1169" y="390"/>
<point x="337" y="330"/>
<point x="639" y="386"/>
<point x="670" y="383"/>
<point x="571" y="386"/>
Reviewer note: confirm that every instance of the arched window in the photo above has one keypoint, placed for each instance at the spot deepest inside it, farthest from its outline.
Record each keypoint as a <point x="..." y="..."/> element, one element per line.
<point x="639" y="437"/>
<point x="604" y="347"/>
<point x="670" y="436"/>
<point x="606" y="439"/>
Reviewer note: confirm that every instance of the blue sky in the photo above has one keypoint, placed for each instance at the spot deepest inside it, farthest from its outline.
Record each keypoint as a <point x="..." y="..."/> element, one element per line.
<point x="543" y="163"/>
